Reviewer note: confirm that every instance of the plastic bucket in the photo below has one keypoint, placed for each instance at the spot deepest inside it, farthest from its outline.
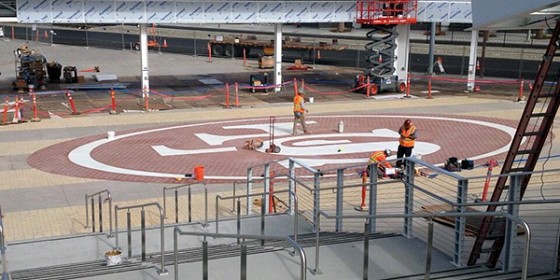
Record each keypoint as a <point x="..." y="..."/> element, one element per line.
<point x="113" y="257"/>
<point x="199" y="173"/>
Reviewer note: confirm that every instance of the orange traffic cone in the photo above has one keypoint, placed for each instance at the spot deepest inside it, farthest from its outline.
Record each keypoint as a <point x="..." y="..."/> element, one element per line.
<point x="164" y="43"/>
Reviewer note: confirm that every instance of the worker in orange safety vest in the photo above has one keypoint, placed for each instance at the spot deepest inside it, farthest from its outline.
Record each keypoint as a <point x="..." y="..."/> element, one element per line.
<point x="407" y="134"/>
<point x="299" y="112"/>
<point x="380" y="157"/>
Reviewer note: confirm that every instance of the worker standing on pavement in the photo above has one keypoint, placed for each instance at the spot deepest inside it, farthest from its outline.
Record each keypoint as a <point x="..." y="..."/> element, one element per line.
<point x="299" y="112"/>
<point x="407" y="134"/>
<point x="380" y="157"/>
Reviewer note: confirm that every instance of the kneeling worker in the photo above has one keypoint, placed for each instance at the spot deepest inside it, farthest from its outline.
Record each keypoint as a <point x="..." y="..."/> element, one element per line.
<point x="380" y="157"/>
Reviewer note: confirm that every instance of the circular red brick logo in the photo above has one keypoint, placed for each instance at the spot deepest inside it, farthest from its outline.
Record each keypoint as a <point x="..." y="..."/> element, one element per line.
<point x="166" y="153"/>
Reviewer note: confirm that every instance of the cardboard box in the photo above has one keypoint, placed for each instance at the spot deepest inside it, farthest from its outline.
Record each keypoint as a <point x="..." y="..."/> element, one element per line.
<point x="266" y="62"/>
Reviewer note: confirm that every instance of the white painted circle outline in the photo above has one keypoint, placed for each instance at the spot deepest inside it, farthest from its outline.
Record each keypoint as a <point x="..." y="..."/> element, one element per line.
<point x="81" y="155"/>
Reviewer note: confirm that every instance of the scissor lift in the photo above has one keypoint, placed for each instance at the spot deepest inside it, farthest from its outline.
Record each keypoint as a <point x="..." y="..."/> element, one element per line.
<point x="383" y="16"/>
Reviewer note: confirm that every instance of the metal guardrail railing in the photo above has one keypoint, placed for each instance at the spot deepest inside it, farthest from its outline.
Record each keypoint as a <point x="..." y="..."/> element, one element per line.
<point x="189" y="201"/>
<point x="263" y="210"/>
<point x="162" y="270"/>
<point x="430" y="216"/>
<point x="178" y="231"/>
<point x="99" y="195"/>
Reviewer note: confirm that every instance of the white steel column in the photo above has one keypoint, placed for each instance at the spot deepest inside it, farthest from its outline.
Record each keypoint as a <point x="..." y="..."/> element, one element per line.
<point x="278" y="56"/>
<point x="472" y="60"/>
<point x="144" y="59"/>
<point x="402" y="51"/>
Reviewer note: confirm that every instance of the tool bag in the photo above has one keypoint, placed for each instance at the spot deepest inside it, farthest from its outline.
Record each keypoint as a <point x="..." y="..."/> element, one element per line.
<point x="452" y="164"/>
<point x="467" y="164"/>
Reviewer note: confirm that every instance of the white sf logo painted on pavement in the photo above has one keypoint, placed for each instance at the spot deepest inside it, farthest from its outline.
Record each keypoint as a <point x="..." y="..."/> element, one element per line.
<point x="304" y="145"/>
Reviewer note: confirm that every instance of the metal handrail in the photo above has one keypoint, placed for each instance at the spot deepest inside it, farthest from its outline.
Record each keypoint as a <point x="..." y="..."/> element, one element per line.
<point x="305" y="166"/>
<point x="188" y="186"/>
<point x="178" y="231"/>
<point x="162" y="270"/>
<point x="293" y="194"/>
<point x="517" y="220"/>
<point x="110" y="200"/>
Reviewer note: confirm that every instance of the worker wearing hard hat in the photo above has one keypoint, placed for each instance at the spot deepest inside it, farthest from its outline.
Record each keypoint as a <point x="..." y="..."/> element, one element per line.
<point x="380" y="157"/>
<point x="407" y="134"/>
<point x="299" y="112"/>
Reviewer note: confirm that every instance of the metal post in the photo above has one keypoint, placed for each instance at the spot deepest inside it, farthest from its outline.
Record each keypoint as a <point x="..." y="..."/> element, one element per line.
<point x="205" y="259"/>
<point x="266" y="185"/>
<point x="408" y="199"/>
<point x="238" y="219"/>
<point x="460" y="222"/>
<point x="510" y="233"/>
<point x="110" y="214"/>
<point x="129" y="233"/>
<point x="87" y="211"/>
<point x="143" y="233"/>
<point x="431" y="49"/>
<point x="263" y="212"/>
<point x="92" y="214"/>
<point x="189" y="198"/>
<point x="205" y="205"/>
<point x="291" y="185"/>
<point x="233" y="200"/>
<point x="249" y="190"/>
<point x="316" y="198"/>
<point x="175" y="249"/>
<point x="429" y="250"/>
<point x="100" y="213"/>
<point x="144" y="64"/>
<point x="471" y="76"/>
<point x="162" y="270"/>
<point x="339" y="198"/>
<point x="317" y="218"/>
<point x="367" y="230"/>
<point x="372" y="199"/>
<point x="176" y="206"/>
<point x="243" y="261"/>
<point x="116" y="227"/>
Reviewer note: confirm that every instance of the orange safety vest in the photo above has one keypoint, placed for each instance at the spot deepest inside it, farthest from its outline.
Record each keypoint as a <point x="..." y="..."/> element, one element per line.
<point x="379" y="158"/>
<point x="297" y="104"/>
<point x="405" y="141"/>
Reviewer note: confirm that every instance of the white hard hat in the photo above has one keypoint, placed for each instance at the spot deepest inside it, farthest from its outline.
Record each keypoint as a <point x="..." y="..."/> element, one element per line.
<point x="388" y="152"/>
